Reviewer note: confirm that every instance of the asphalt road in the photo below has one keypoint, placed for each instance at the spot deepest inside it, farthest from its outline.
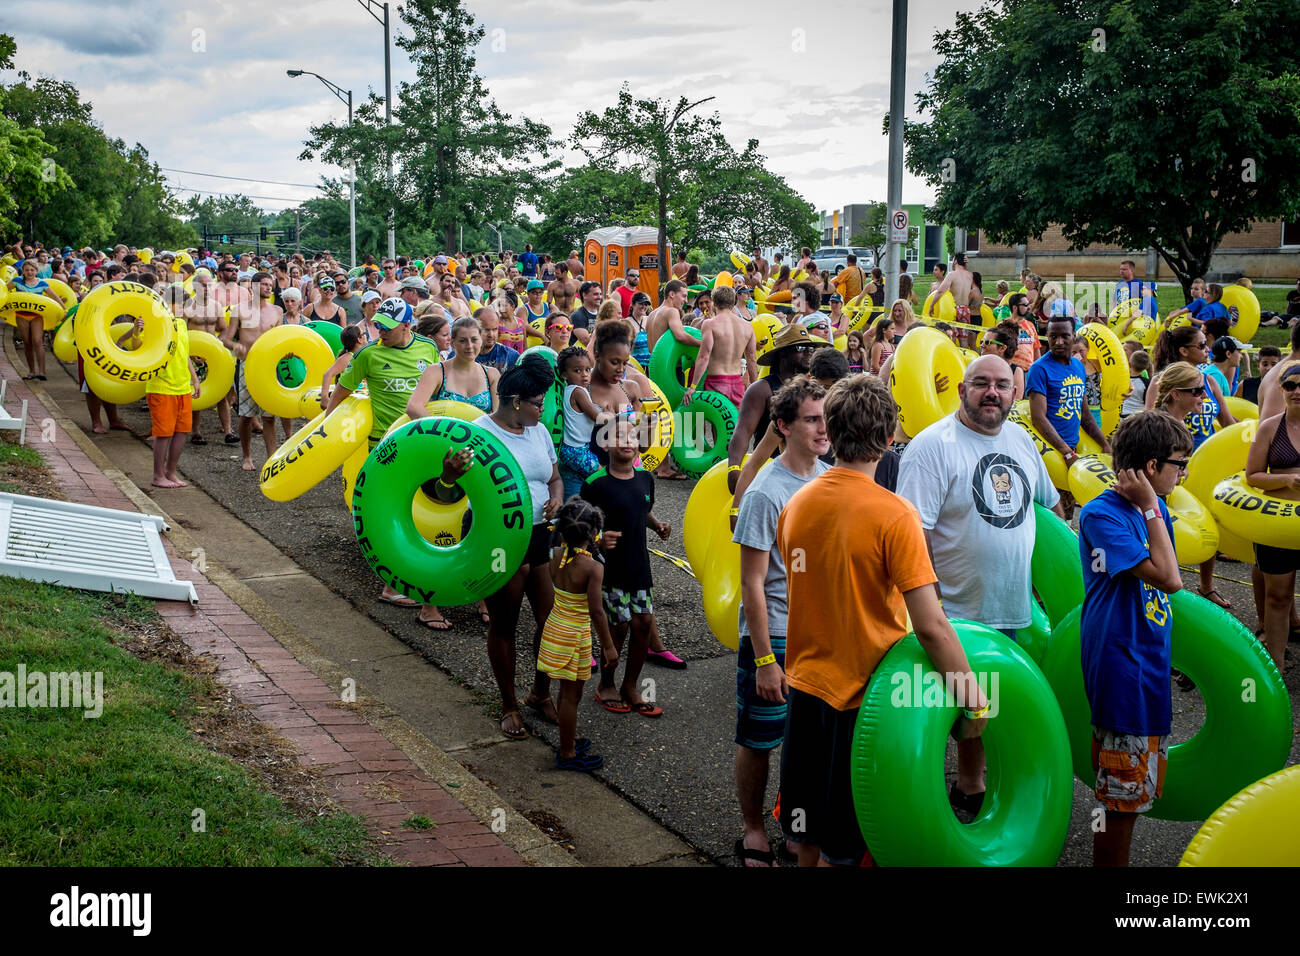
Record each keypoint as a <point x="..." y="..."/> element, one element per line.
<point x="677" y="768"/>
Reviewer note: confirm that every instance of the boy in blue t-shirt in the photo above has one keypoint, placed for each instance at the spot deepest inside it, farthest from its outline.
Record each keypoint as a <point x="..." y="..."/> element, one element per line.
<point x="1129" y="571"/>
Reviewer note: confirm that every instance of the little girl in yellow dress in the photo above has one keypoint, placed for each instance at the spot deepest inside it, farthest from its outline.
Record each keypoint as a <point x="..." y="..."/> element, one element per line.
<point x="565" y="652"/>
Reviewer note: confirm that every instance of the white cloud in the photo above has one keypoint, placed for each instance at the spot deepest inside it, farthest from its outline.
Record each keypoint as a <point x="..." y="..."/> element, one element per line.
<point x="219" y="101"/>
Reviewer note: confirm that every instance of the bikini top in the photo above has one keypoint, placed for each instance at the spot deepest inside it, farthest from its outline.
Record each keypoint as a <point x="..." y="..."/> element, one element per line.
<point x="1281" y="452"/>
<point x="482" y="400"/>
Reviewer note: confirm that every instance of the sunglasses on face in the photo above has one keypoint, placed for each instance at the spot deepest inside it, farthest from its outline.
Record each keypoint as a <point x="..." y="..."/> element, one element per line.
<point x="1179" y="463"/>
<point x="1290" y="386"/>
<point x="540" y="406"/>
<point x="1199" y="390"/>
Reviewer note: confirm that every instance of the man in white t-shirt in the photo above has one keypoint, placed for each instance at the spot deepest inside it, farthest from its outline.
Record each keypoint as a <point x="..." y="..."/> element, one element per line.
<point x="974" y="484"/>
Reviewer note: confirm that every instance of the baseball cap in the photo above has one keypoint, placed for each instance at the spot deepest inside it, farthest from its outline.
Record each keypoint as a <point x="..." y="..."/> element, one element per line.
<point x="414" y="282"/>
<point x="535" y="284"/>
<point x="836" y="297"/>
<point x="439" y="260"/>
<point x="743" y="290"/>
<point x="326" y="283"/>
<point x="370" y="296"/>
<point x="1061" y="308"/>
<point x="201" y="271"/>
<point x="392" y="313"/>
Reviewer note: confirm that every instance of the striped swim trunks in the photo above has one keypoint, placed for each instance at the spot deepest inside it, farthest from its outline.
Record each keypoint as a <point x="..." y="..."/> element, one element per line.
<point x="760" y="723"/>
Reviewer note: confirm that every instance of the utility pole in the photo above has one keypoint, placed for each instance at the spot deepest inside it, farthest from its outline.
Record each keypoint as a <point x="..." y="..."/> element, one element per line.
<point x="297" y="229"/>
<point x="897" y="108"/>
<point x="369" y="6"/>
<point x="352" y="170"/>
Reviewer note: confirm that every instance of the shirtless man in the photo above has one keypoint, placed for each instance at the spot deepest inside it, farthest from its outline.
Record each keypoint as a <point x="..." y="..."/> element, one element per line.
<point x="448" y="296"/>
<point x="576" y="268"/>
<point x="763" y="268"/>
<point x="563" y="291"/>
<point x="389" y="283"/>
<point x="681" y="266"/>
<point x="728" y="340"/>
<point x="668" y="317"/>
<point x="239" y="338"/>
<point x="204" y="312"/>
<point x="958" y="282"/>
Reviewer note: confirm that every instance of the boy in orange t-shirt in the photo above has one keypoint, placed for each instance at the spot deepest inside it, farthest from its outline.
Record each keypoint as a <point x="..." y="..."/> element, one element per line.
<point x="857" y="565"/>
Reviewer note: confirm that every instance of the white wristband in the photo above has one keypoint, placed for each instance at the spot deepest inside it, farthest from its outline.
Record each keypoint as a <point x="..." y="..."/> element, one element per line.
<point x="1150" y="514"/>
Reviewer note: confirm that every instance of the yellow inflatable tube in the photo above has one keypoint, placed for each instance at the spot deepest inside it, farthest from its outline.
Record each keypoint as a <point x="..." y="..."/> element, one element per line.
<point x="27" y="304"/>
<point x="110" y="389"/>
<point x="259" y="367"/>
<point x="709" y="497"/>
<point x="219" y="368"/>
<point x="1105" y="350"/>
<point x="65" y="340"/>
<point x="64" y="292"/>
<point x="945" y="310"/>
<point x="1257" y="827"/>
<point x="1247" y="306"/>
<point x="659" y="439"/>
<point x="1255" y="515"/>
<point x="98" y="346"/>
<point x="923" y="354"/>
<point x="316" y="449"/>
<point x="1221" y="455"/>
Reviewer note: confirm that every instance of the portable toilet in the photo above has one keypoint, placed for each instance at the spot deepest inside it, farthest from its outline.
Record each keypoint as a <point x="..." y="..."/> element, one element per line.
<point x="608" y="253"/>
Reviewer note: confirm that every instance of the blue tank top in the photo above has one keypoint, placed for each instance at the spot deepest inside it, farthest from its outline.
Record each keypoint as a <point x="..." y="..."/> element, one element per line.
<point x="641" y="349"/>
<point x="482" y="400"/>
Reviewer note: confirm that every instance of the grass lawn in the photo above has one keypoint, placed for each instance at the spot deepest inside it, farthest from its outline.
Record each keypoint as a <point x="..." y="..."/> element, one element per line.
<point x="121" y="789"/>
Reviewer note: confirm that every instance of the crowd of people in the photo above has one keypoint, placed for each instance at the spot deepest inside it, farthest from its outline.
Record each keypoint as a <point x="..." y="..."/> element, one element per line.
<point x="853" y="529"/>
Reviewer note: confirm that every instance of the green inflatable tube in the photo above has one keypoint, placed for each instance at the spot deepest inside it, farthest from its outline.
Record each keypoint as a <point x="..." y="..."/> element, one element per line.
<point x="1247" y="729"/>
<point x="668" y="364"/>
<point x="385" y="528"/>
<point x="691" y="448"/>
<point x="330" y="332"/>
<point x="291" y="371"/>
<point x="1055" y="569"/>
<point x="898" y="783"/>
<point x="1035" y="637"/>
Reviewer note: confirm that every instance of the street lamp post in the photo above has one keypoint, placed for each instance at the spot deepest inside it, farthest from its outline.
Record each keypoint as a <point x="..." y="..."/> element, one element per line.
<point x="369" y="6"/>
<point x="352" y="171"/>
<point x="897" y="107"/>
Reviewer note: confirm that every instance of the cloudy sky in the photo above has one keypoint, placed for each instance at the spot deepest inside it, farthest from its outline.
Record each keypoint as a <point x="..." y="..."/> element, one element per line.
<point x="203" y="85"/>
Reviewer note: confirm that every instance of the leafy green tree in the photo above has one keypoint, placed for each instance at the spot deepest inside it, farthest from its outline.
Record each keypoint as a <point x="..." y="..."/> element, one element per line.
<point x="150" y="214"/>
<point x="458" y="158"/>
<point x="25" y="178"/>
<point x="1146" y="123"/>
<point x="586" y="198"/>
<point x="662" y="142"/>
<point x="225" y="215"/>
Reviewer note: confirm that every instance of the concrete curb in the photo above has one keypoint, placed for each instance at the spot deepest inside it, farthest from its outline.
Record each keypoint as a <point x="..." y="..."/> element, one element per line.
<point x="535" y="847"/>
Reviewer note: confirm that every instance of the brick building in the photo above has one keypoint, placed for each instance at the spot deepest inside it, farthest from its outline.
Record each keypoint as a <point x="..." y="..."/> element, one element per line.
<point x="1270" y="252"/>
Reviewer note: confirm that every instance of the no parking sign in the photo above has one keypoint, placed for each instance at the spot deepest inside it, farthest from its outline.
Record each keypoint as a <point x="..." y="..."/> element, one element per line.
<point x="898" y="222"/>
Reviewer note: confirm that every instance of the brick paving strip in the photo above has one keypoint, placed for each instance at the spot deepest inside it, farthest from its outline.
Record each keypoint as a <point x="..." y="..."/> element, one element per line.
<point x="368" y="774"/>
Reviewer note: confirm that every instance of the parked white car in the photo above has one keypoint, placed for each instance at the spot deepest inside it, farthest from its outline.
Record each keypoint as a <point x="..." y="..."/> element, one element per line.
<point x="834" y="258"/>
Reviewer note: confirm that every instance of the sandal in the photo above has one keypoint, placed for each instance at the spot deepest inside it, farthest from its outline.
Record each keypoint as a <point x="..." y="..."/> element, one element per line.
<point x="231" y="438"/>
<point x="197" y="439"/>
<point x="583" y="763"/>
<point x="520" y="732"/>
<point x="1214" y="597"/>
<point x="440" y="624"/>
<point x="616" y="706"/>
<point x="400" y="601"/>
<point x="538" y="706"/>
<point x="646" y="709"/>
<point x="743" y="853"/>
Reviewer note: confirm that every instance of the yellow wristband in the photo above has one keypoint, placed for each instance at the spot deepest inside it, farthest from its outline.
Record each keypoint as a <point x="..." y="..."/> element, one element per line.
<point x="764" y="661"/>
<point x="976" y="714"/>
<point x="445" y="485"/>
<point x="734" y="512"/>
<point x="732" y="468"/>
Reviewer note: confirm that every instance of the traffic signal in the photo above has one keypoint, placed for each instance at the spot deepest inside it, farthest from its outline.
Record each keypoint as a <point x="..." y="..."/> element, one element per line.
<point x="264" y="236"/>
<point x="293" y="233"/>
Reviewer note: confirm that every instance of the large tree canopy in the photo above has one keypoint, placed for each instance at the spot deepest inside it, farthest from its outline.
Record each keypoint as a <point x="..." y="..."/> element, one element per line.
<point x="1143" y="123"/>
<point x="457" y="158"/>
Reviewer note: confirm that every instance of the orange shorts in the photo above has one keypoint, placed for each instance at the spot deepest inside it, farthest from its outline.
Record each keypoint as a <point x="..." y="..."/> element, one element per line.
<point x="169" y="414"/>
